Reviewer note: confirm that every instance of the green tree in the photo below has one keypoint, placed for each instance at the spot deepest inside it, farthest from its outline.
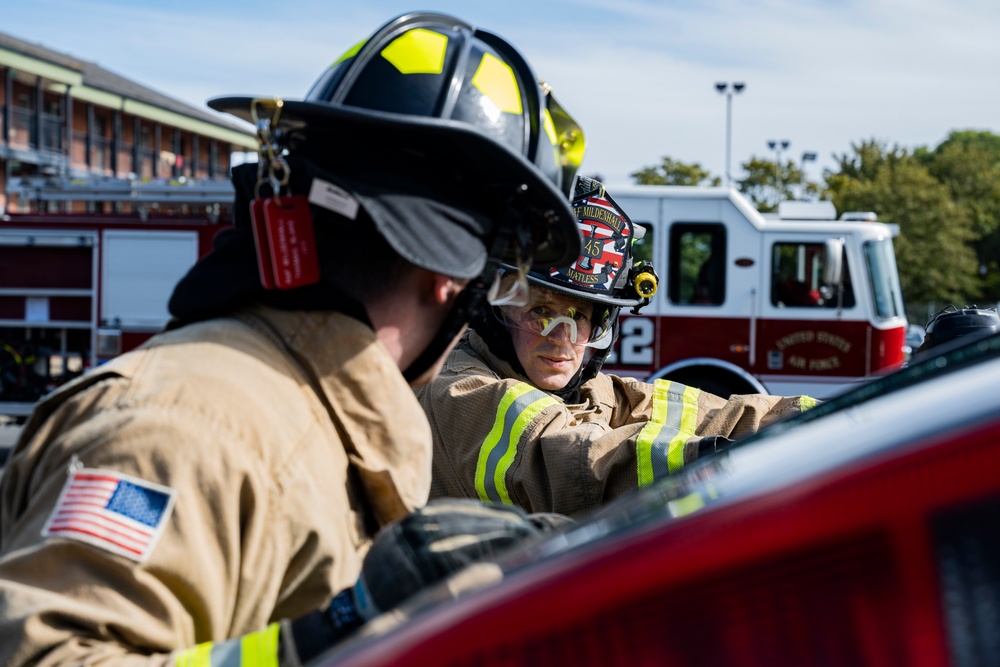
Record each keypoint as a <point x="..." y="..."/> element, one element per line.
<point x="936" y="262"/>
<point x="968" y="163"/>
<point x="673" y="172"/>
<point x="766" y="183"/>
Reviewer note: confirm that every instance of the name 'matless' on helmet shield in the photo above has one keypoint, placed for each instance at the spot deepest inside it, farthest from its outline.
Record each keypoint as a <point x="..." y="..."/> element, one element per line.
<point x="429" y="92"/>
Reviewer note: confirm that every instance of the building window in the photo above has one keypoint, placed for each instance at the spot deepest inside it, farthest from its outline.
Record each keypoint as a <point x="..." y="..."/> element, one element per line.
<point x="51" y="133"/>
<point x="23" y="119"/>
<point x="100" y="145"/>
<point x="144" y="153"/>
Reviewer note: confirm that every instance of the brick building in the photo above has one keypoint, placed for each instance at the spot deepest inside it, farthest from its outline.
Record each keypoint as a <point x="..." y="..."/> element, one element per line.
<point x="72" y="132"/>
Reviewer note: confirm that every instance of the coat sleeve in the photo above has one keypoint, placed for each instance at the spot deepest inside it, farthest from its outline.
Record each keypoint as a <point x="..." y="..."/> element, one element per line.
<point x="96" y="595"/>
<point x="503" y="440"/>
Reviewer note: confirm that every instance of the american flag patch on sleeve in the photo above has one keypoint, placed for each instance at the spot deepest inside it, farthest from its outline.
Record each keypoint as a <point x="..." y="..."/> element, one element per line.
<point x="116" y="512"/>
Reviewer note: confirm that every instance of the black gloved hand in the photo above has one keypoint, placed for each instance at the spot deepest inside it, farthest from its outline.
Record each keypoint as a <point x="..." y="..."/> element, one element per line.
<point x="437" y="541"/>
<point x="408" y="555"/>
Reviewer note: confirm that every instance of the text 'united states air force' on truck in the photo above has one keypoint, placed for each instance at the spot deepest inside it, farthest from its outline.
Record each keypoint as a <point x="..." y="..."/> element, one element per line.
<point x="799" y="303"/>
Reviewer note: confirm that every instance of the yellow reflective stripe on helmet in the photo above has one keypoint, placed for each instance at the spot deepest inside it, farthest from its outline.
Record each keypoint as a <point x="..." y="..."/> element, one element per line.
<point x="550" y="128"/>
<point x="496" y="80"/>
<point x="570" y="141"/>
<point x="518" y="408"/>
<point x="257" y="649"/>
<point x="659" y="449"/>
<point x="417" y="51"/>
<point x="350" y="53"/>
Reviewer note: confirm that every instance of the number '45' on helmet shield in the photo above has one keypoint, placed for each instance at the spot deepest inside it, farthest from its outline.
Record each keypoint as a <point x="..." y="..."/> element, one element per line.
<point x="604" y="272"/>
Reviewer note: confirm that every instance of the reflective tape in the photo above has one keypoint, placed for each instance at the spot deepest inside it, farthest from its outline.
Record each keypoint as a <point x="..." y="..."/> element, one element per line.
<point x="196" y="656"/>
<point x="806" y="403"/>
<point x="496" y="80"/>
<point x="550" y="129"/>
<point x="518" y="408"/>
<point x="659" y="449"/>
<point x="350" y="53"/>
<point x="417" y="51"/>
<point x="257" y="649"/>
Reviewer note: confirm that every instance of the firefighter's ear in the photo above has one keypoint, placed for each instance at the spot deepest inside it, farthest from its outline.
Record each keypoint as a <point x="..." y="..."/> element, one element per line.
<point x="444" y="289"/>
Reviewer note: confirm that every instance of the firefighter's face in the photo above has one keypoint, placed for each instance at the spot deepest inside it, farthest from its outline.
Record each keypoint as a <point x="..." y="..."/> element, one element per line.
<point x="550" y="361"/>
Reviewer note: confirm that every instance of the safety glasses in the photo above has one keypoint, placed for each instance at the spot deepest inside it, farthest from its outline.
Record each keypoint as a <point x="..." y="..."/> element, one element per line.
<point x="510" y="287"/>
<point x="570" y="324"/>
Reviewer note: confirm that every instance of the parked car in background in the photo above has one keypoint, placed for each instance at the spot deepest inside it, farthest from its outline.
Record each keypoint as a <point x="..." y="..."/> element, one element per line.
<point x="862" y="532"/>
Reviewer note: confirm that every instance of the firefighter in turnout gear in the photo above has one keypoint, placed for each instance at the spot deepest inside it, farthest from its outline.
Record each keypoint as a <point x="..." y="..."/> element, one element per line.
<point x="522" y="415"/>
<point x="200" y="500"/>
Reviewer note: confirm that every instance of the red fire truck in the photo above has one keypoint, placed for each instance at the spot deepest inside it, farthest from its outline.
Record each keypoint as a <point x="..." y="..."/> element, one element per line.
<point x="78" y="289"/>
<point x="800" y="303"/>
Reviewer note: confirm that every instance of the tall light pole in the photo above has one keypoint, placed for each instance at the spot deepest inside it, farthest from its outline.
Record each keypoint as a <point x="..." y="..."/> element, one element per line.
<point x="777" y="146"/>
<point x="729" y="89"/>
<point x="807" y="156"/>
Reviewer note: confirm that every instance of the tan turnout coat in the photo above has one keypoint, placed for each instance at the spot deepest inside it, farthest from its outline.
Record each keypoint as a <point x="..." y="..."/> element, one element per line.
<point x="499" y="438"/>
<point x="287" y="438"/>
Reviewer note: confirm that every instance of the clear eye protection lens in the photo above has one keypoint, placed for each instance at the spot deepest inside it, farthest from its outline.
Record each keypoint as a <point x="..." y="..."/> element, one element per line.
<point x="551" y="323"/>
<point x="576" y="332"/>
<point x="510" y="288"/>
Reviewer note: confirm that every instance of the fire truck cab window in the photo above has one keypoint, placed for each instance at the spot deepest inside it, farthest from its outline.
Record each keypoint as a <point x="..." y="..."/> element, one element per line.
<point x="797" y="278"/>
<point x="697" y="264"/>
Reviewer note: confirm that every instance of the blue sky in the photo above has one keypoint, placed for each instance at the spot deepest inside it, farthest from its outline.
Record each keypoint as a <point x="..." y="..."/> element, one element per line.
<point x="639" y="75"/>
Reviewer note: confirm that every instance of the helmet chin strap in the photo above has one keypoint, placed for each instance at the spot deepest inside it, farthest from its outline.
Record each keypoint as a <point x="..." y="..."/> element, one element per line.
<point x="597" y="359"/>
<point x="468" y="303"/>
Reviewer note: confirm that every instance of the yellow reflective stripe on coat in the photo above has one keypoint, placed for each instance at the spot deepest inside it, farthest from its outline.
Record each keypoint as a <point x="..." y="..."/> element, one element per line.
<point x="518" y="407"/>
<point x="659" y="449"/>
<point x="257" y="649"/>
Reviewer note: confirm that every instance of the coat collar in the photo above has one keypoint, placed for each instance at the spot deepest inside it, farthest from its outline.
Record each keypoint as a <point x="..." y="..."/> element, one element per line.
<point x="382" y="426"/>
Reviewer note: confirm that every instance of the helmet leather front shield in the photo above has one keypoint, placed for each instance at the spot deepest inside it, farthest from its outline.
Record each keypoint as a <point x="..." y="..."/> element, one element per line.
<point x="603" y="266"/>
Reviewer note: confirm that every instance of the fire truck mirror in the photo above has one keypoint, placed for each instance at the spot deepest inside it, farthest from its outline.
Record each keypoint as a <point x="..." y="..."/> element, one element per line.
<point x="833" y="267"/>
